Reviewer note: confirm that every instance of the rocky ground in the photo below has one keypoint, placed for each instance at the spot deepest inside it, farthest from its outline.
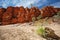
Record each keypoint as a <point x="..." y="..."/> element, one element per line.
<point x="27" y="31"/>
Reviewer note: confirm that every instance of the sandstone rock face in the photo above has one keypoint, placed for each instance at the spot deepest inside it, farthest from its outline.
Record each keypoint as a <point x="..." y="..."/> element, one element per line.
<point x="13" y="15"/>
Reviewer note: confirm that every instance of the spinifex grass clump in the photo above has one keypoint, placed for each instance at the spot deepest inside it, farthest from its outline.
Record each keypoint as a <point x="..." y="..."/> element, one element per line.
<point x="56" y="18"/>
<point x="41" y="31"/>
<point x="47" y="33"/>
<point x="58" y="15"/>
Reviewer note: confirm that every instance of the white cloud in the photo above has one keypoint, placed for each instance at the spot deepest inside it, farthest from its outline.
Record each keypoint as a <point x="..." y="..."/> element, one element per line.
<point x="26" y="3"/>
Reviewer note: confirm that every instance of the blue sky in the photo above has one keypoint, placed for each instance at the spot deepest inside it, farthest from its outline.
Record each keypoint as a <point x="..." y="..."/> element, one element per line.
<point x="57" y="4"/>
<point x="29" y="3"/>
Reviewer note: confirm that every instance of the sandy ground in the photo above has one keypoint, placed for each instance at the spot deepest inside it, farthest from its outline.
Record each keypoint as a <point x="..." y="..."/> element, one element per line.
<point x="18" y="32"/>
<point x="26" y="31"/>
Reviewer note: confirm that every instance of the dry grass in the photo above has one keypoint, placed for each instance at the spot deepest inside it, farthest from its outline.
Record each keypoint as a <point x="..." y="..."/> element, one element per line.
<point x="26" y="31"/>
